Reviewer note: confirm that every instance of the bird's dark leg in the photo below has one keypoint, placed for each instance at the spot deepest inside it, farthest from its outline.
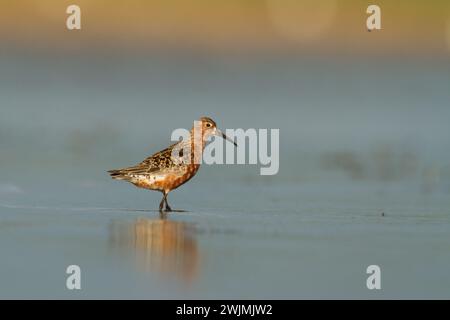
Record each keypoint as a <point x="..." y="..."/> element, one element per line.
<point x="168" y="208"/>
<point x="161" y="204"/>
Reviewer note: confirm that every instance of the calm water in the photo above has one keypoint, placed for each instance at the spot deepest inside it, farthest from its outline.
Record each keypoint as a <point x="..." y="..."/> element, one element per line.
<point x="278" y="241"/>
<point x="358" y="139"/>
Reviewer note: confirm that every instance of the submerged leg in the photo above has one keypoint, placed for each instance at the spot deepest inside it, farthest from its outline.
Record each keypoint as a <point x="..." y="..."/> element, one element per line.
<point x="168" y="208"/>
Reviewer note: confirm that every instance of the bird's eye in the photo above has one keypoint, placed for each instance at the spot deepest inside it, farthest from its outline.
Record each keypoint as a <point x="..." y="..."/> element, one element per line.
<point x="208" y="125"/>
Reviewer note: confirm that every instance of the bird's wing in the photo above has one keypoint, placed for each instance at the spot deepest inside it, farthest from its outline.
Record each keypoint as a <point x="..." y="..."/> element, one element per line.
<point x="153" y="164"/>
<point x="159" y="162"/>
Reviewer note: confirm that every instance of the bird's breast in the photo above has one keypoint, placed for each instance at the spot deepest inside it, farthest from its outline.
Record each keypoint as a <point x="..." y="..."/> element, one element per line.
<point x="188" y="172"/>
<point x="168" y="179"/>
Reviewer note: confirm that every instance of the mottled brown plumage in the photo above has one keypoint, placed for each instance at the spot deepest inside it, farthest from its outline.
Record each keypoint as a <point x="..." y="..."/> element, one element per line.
<point x="170" y="168"/>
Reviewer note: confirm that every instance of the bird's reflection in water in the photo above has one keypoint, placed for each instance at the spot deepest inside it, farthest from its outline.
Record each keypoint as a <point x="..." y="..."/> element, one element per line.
<point x="162" y="245"/>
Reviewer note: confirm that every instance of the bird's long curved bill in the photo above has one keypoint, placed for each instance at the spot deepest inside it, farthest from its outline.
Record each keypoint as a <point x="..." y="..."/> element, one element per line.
<point x="223" y="135"/>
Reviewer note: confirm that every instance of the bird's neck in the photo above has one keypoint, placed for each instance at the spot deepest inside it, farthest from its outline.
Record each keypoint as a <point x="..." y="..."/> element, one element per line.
<point x="197" y="140"/>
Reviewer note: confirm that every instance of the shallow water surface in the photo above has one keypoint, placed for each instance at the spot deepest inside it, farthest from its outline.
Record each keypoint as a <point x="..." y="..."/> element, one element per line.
<point x="304" y="245"/>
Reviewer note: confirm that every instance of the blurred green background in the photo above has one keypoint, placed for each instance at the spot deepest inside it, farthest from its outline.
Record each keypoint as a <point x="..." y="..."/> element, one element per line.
<point x="329" y="27"/>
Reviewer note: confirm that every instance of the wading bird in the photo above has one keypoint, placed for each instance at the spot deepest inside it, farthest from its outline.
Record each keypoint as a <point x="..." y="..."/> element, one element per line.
<point x="170" y="168"/>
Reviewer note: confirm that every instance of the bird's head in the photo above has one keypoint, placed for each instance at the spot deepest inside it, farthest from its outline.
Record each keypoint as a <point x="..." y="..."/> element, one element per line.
<point x="209" y="129"/>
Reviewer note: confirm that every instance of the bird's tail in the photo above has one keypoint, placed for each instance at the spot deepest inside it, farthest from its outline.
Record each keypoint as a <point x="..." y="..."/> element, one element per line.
<point x="118" y="174"/>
